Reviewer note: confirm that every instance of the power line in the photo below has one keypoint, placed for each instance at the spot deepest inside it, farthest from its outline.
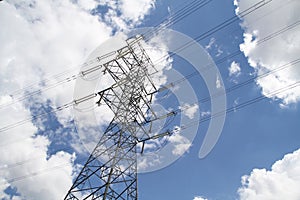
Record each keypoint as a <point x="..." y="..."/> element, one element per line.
<point x="203" y="100"/>
<point x="185" y="126"/>
<point x="247" y="103"/>
<point x="200" y="37"/>
<point x="227" y="91"/>
<point x="5" y="128"/>
<point x="247" y="82"/>
<point x="54" y="110"/>
<point x="238" y="52"/>
<point x="219" y="27"/>
<point x="179" y="15"/>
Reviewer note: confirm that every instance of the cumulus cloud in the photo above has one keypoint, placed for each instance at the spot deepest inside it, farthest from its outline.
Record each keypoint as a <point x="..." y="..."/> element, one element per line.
<point x="205" y="113"/>
<point x="234" y="69"/>
<point x="3" y="185"/>
<point x="275" y="52"/>
<point x="144" y="163"/>
<point x="136" y="10"/>
<point x="40" y="39"/>
<point x="199" y="198"/>
<point x="180" y="143"/>
<point x="20" y="145"/>
<point x="125" y="14"/>
<point x="281" y="182"/>
<point x="189" y="110"/>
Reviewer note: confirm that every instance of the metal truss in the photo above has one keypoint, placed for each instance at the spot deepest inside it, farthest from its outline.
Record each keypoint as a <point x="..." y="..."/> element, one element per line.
<point x="111" y="170"/>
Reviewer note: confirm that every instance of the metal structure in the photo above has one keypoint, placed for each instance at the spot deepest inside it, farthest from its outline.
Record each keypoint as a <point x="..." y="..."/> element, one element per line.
<point x="111" y="170"/>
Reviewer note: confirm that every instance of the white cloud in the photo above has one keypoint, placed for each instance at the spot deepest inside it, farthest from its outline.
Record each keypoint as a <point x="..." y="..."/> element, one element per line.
<point x="249" y="44"/>
<point x="144" y="163"/>
<point x="21" y="145"/>
<point x="125" y="14"/>
<point x="181" y="148"/>
<point x="235" y="103"/>
<point x="212" y="42"/>
<point x="189" y="110"/>
<point x="212" y="45"/>
<point x="234" y="69"/>
<point x="87" y="4"/>
<point x="218" y="82"/>
<point x="156" y="50"/>
<point x="235" y="2"/>
<point x="136" y="10"/>
<point x="278" y="50"/>
<point x="39" y="39"/>
<point x="181" y="144"/>
<point x="219" y="52"/>
<point x="281" y="182"/>
<point x="3" y="185"/>
<point x="205" y="113"/>
<point x="199" y="198"/>
<point x="42" y="39"/>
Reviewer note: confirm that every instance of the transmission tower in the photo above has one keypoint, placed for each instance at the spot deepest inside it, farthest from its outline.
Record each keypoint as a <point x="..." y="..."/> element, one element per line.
<point x="111" y="170"/>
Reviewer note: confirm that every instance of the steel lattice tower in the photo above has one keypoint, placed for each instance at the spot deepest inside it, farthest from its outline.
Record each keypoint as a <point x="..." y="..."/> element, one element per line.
<point x="111" y="170"/>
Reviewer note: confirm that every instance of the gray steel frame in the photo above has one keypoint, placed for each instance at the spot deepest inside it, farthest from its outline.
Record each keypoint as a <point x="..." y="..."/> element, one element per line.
<point x="111" y="170"/>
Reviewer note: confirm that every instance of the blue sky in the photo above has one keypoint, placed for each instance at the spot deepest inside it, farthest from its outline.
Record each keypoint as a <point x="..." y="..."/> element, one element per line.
<point x="253" y="137"/>
<point x="260" y="140"/>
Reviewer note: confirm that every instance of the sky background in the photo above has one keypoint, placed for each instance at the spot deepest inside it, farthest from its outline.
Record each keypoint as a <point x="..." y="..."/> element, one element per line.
<point x="257" y="155"/>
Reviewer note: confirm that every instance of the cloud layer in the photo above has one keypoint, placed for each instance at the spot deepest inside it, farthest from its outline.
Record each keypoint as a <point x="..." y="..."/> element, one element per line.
<point x="40" y="39"/>
<point x="199" y="198"/>
<point x="281" y="182"/>
<point x="275" y="52"/>
<point x="234" y="69"/>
